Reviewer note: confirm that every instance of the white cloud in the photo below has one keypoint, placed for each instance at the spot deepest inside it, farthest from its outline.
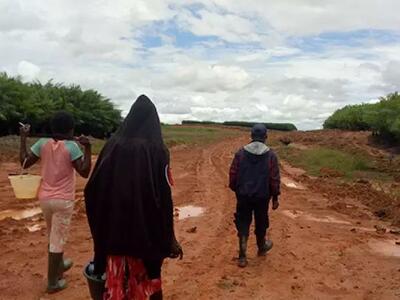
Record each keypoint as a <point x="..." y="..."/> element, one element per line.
<point x="259" y="63"/>
<point x="391" y="75"/>
<point x="15" y="17"/>
<point x="205" y="78"/>
<point x="28" y="71"/>
<point x="231" y="28"/>
<point x="306" y="17"/>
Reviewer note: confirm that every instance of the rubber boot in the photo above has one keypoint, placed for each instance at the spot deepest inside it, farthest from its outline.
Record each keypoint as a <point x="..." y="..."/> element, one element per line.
<point x="66" y="264"/>
<point x="55" y="284"/>
<point x="242" y="252"/>
<point x="157" y="296"/>
<point x="263" y="246"/>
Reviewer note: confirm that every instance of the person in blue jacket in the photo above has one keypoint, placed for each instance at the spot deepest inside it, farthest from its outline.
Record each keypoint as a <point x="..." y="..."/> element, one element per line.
<point x="255" y="178"/>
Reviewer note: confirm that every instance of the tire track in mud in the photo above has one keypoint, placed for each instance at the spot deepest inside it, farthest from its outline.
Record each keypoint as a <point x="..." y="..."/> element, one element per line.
<point x="211" y="261"/>
<point x="208" y="247"/>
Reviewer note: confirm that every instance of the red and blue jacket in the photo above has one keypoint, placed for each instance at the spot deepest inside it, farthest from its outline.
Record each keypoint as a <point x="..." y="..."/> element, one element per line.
<point x="256" y="153"/>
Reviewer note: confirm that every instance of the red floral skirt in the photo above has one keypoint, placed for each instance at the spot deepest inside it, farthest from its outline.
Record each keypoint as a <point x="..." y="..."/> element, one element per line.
<point x="127" y="279"/>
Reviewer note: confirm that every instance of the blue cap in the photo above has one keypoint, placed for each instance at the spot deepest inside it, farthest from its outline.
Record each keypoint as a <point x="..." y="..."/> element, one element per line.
<point x="259" y="132"/>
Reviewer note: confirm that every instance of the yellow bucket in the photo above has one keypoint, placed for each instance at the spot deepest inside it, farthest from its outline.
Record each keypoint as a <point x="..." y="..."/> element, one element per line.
<point x="25" y="186"/>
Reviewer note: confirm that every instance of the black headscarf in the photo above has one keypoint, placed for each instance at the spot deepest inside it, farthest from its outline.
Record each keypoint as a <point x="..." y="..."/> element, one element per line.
<point x="128" y="197"/>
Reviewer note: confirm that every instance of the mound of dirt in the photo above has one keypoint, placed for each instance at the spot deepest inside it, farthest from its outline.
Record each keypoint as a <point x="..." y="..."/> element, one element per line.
<point x="381" y="204"/>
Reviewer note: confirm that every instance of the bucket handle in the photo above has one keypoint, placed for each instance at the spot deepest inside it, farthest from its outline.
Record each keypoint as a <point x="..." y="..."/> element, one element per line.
<point x="23" y="166"/>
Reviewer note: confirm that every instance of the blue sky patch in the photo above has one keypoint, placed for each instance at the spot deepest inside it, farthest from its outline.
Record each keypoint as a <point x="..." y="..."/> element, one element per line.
<point x="159" y="33"/>
<point x="353" y="39"/>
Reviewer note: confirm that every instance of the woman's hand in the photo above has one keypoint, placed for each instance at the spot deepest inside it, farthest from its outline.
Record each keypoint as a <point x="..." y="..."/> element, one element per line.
<point x="84" y="165"/>
<point x="83" y="140"/>
<point x="24" y="130"/>
<point x="176" y="250"/>
<point x="26" y="157"/>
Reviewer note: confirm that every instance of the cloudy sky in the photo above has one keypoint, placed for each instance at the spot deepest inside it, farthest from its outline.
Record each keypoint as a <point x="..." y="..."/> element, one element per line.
<point x="255" y="60"/>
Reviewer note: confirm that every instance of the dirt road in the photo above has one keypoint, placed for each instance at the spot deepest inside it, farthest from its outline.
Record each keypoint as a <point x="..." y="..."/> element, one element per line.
<point x="320" y="252"/>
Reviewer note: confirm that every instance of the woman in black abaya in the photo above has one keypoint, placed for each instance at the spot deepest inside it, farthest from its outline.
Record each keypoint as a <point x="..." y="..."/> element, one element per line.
<point x="129" y="207"/>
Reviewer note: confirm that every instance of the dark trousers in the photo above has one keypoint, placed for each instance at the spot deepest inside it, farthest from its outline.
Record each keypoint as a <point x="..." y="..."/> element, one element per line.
<point x="245" y="208"/>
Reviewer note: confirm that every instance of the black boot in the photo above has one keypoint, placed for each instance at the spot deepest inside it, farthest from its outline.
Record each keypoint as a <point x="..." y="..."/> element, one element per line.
<point x="242" y="251"/>
<point x="157" y="296"/>
<point x="263" y="246"/>
<point x="66" y="264"/>
<point x="55" y="284"/>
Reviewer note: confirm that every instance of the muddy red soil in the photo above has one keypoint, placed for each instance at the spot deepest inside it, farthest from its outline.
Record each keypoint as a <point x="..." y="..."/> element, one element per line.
<point x="381" y="195"/>
<point x="325" y="247"/>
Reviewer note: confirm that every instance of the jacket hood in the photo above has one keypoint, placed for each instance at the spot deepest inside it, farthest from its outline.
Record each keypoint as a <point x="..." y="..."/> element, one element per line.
<point x="256" y="148"/>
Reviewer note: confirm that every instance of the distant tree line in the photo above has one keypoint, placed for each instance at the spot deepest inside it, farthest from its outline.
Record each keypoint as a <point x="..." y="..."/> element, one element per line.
<point x="35" y="103"/>
<point x="383" y="118"/>
<point x="273" y="126"/>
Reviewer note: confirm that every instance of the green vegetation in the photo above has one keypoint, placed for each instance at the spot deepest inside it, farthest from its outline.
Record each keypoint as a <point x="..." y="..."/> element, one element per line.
<point x="319" y="161"/>
<point x="173" y="135"/>
<point x="180" y="135"/>
<point x="191" y="122"/>
<point x="35" y="103"/>
<point x="273" y="126"/>
<point x="383" y="118"/>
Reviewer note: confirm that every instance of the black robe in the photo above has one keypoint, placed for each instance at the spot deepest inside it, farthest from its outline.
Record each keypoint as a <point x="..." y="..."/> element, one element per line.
<point x="128" y="197"/>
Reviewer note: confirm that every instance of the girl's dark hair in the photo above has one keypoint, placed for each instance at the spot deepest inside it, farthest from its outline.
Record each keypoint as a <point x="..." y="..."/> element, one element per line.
<point x="62" y="123"/>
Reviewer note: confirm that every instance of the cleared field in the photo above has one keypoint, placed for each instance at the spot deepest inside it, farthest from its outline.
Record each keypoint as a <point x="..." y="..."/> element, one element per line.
<point x="173" y="135"/>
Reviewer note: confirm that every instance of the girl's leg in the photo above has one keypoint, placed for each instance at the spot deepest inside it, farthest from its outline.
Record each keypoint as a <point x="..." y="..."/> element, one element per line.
<point x="115" y="273"/>
<point x="48" y="215"/>
<point x="58" y="221"/>
<point x="60" y="224"/>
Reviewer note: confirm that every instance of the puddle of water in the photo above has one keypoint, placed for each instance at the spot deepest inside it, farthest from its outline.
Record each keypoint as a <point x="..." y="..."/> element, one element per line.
<point x="189" y="211"/>
<point x="290" y="184"/>
<point x="293" y="214"/>
<point x="366" y="229"/>
<point x="34" y="228"/>
<point x="19" y="214"/>
<point x="326" y="219"/>
<point x="297" y="214"/>
<point x="387" y="247"/>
